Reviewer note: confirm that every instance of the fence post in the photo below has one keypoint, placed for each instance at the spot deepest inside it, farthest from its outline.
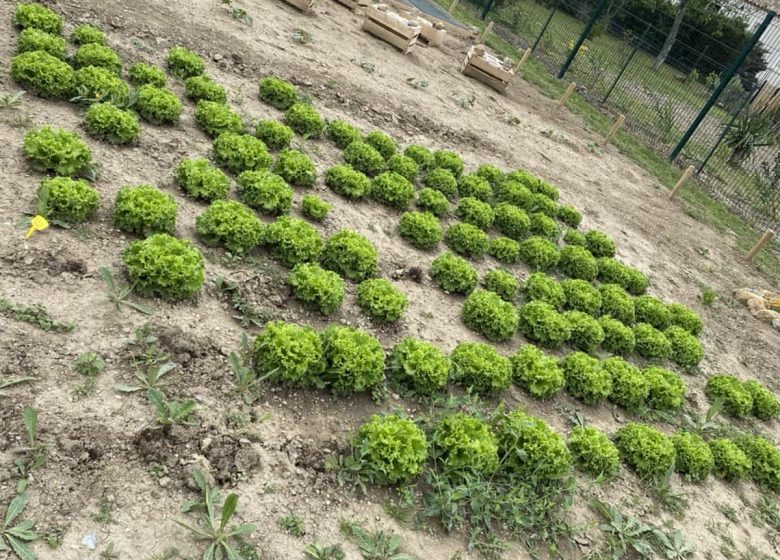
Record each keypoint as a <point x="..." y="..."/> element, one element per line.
<point x="585" y="32"/>
<point x="725" y="79"/>
<point x="546" y="24"/>
<point x="625" y="65"/>
<point x="726" y="128"/>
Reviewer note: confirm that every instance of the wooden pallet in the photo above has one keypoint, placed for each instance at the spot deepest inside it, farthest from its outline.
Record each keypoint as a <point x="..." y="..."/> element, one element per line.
<point x="305" y="6"/>
<point x="391" y="27"/>
<point x="482" y="65"/>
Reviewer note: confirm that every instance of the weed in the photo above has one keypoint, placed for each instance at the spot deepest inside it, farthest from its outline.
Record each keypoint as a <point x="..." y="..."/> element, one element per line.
<point x="317" y="551"/>
<point x="302" y="37"/>
<point x="149" y="380"/>
<point x="53" y="537"/>
<point x="466" y="102"/>
<point x="624" y="534"/>
<point x="238" y="14"/>
<point x="15" y="537"/>
<point x="401" y="508"/>
<point x="706" y="425"/>
<point x="766" y="512"/>
<point x="36" y="315"/>
<point x="708" y="296"/>
<point x="109" y="553"/>
<point x="292" y="524"/>
<point x="247" y="382"/>
<point x="728" y="512"/>
<point x="376" y="545"/>
<point x="171" y="412"/>
<point x="11" y="381"/>
<point x="88" y="365"/>
<point x="247" y="314"/>
<point x="11" y="100"/>
<point x="417" y="83"/>
<point x="118" y="295"/>
<point x="104" y="514"/>
<point x="673" y="545"/>
<point x="331" y="84"/>
<point x="216" y="531"/>
<point x="367" y="66"/>
<point x="157" y="470"/>
<point x="672" y="499"/>
<point x="34" y="453"/>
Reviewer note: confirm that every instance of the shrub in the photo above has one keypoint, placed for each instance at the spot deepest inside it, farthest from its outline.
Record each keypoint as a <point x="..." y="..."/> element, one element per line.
<point x="511" y="221"/>
<point x="503" y="283"/>
<point x="586" y="332"/>
<point x="183" y="63"/>
<point x="491" y="173"/>
<point x="392" y="447"/>
<point x="649" y="452"/>
<point x="538" y="374"/>
<point x="99" y="56"/>
<point x="347" y="181"/>
<point x="652" y="310"/>
<point x="230" y="224"/>
<point x="385" y="145"/>
<point x="681" y="316"/>
<point x="467" y="240"/>
<point x="577" y="262"/>
<point x="446" y="159"/>
<point x="422" y="155"/>
<point x="67" y="200"/>
<point x="540" y="322"/>
<point x="57" y="150"/>
<point x="42" y="74"/>
<point x="37" y="16"/>
<point x="364" y="158"/>
<point x="543" y="225"/>
<point x="764" y="458"/>
<point x="530" y="450"/>
<point x="685" y="349"/>
<point x="540" y="287"/>
<point x="582" y="296"/>
<point x="504" y="250"/>
<point x="572" y="237"/>
<point x="487" y="314"/>
<point x="475" y="212"/>
<point x="381" y="300"/>
<point x="421" y="229"/>
<point x="158" y="105"/>
<point x="612" y="271"/>
<point x="651" y="343"/>
<point x="443" y="181"/>
<point x="765" y="404"/>
<point x="618" y="338"/>
<point x="164" y="266"/>
<point x="585" y="378"/>
<point x="109" y="123"/>
<point x="289" y="354"/>
<point x="629" y="386"/>
<point x="420" y="366"/>
<point x="216" y="119"/>
<point x="85" y="34"/>
<point x="617" y="303"/>
<point x="737" y="399"/>
<point x="392" y="189"/>
<point x="539" y="253"/>
<point x="356" y="361"/>
<point x="275" y="135"/>
<point x="265" y="191"/>
<point x="453" y="274"/>
<point x="693" y="458"/>
<point x="466" y="443"/>
<point x="199" y="88"/>
<point x="32" y="39"/>
<point x="599" y="244"/>
<point x="95" y="84"/>
<point x="277" y="92"/>
<point x="342" y="133"/>
<point x="351" y="255"/>
<point x="729" y="461"/>
<point x="292" y="241"/>
<point x="593" y="452"/>
<point x="201" y="180"/>
<point x="543" y="205"/>
<point x="480" y="368"/>
<point x="404" y="166"/>
<point x="570" y="216"/>
<point x="296" y="168"/>
<point x="319" y="289"/>
<point x="433" y="201"/>
<point x="242" y="152"/>
<point x="144" y="210"/>
<point x="666" y="389"/>
<point x="515" y="194"/>
<point x="142" y="74"/>
<point x="314" y="208"/>
<point x="305" y="120"/>
<point x="474" y="186"/>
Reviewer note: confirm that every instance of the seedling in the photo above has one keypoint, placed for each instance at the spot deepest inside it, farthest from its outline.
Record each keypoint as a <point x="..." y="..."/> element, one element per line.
<point x="118" y="295"/>
<point x="417" y="83"/>
<point x="171" y="412"/>
<point x="671" y="498"/>
<point x="103" y="515"/>
<point x="624" y="534"/>
<point x="148" y="353"/>
<point x="239" y="14"/>
<point x="302" y="37"/>
<point x="767" y="512"/>
<point x="216" y="531"/>
<point x="674" y="546"/>
<point x="377" y="545"/>
<point x="11" y="100"/>
<point x="247" y="382"/>
<point x="109" y="553"/>
<point x="706" y="425"/>
<point x="11" y="381"/>
<point x="317" y="551"/>
<point x="367" y="66"/>
<point x="34" y="454"/>
<point x="247" y="314"/>
<point x="15" y="537"/>
<point x="35" y="315"/>
<point x="708" y="296"/>
<point x="292" y="524"/>
<point x="149" y="381"/>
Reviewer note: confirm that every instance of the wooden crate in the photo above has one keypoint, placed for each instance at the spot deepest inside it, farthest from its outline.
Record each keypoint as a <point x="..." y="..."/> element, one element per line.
<point x="484" y="66"/>
<point x="429" y="34"/>
<point x="391" y="27"/>
<point x="303" y="5"/>
<point x="351" y="4"/>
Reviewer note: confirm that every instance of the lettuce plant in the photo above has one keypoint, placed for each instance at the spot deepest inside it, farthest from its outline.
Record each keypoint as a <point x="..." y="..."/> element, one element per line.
<point x="737" y="399"/>
<point x="666" y="389"/>
<point x="94" y="84"/>
<point x="216" y="119"/>
<point x="304" y="120"/>
<point x="42" y="74"/>
<point x="475" y="212"/>
<point x="319" y="289"/>
<point x="581" y="295"/>
<point x="490" y="173"/>
<point x="503" y="249"/>
<point x="503" y="283"/>
<point x="241" y="152"/>
<point x="202" y="87"/>
<point x="183" y="63"/>
<point x="480" y="368"/>
<point x="58" y="151"/>
<point x="385" y="145"/>
<point x="585" y="378"/>
<point x="612" y="271"/>
<point x="681" y="316"/>
<point x="630" y="388"/>
<point x="586" y="332"/>
<point x="729" y="461"/>
<point x="296" y="168"/>
<point x="98" y="56"/>
<point x="540" y="204"/>
<point x="350" y="255"/>
<point x="537" y="373"/>
<point x="230" y="224"/>
<point x="342" y="133"/>
<point x="617" y="303"/>
<point x="651" y="343"/>
<point x="201" y="180"/>
<point x="487" y="314"/>
<point x="515" y="194"/>
<point x="109" y="123"/>
<point x="577" y="262"/>
<point x="292" y="241"/>
<point x="539" y="253"/>
<point x="314" y="208"/>
<point x="653" y="311"/>
<point x="543" y="225"/>
<point x="158" y="105"/>
<point x="164" y="266"/>
<point x="421" y="229"/>
<point x="764" y="459"/>
<point x="449" y="160"/>
<point x="37" y="16"/>
<point x="141" y="74"/>
<point x="422" y="155"/>
<point x="511" y="221"/>
<point x="85" y="34"/>
<point x="465" y="443"/>
<point x="443" y="181"/>
<point x="67" y="200"/>
<point x="618" y="338"/>
<point x="599" y="244"/>
<point x="275" y="135"/>
<point x="419" y="366"/>
<point x="686" y="351"/>
<point x="32" y="39"/>
<point x="144" y="210"/>
<point x="381" y="300"/>
<point x="530" y="450"/>
<point x="649" y="452"/>
<point x="265" y="191"/>
<point x="394" y="449"/>
<point x="277" y="92"/>
<point x="573" y="237"/>
<point x="348" y="182"/>
<point x="569" y="215"/>
<point x="392" y="190"/>
<point x="355" y="359"/>
<point x="453" y="274"/>
<point x="593" y="452"/>
<point x="289" y="354"/>
<point x="467" y="240"/>
<point x="541" y="287"/>
<point x="540" y="322"/>
<point x="364" y="158"/>
<point x="766" y="406"/>
<point x="474" y="186"/>
<point x="693" y="457"/>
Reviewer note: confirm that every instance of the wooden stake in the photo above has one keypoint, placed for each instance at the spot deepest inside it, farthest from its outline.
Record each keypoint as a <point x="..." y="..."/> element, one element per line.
<point x="768" y="235"/>
<point x="566" y="94"/>
<point x="452" y="6"/>
<point x="612" y="131"/>
<point x="486" y="32"/>
<point x="681" y="181"/>
<point x="522" y="60"/>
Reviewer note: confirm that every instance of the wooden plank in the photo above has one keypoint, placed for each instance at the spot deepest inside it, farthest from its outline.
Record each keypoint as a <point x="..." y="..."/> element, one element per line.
<point x="351" y="4"/>
<point x="403" y="43"/>
<point x="303" y="5"/>
<point x="487" y="68"/>
<point x="487" y="79"/>
<point x="393" y="24"/>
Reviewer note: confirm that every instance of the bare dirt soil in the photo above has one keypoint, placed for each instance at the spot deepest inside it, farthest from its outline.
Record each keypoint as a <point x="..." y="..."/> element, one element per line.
<point x="102" y="447"/>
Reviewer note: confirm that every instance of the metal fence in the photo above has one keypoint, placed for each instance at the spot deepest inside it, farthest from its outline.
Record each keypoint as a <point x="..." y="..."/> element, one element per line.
<point x="710" y="103"/>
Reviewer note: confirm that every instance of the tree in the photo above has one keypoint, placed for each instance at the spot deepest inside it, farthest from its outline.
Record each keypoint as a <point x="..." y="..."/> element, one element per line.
<point x="671" y="37"/>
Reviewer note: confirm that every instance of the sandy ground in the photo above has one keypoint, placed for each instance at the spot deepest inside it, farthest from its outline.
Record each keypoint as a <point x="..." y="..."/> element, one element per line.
<point x="102" y="448"/>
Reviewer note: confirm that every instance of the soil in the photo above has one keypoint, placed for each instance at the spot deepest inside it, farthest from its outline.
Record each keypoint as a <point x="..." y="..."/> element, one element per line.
<point x="103" y="448"/>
